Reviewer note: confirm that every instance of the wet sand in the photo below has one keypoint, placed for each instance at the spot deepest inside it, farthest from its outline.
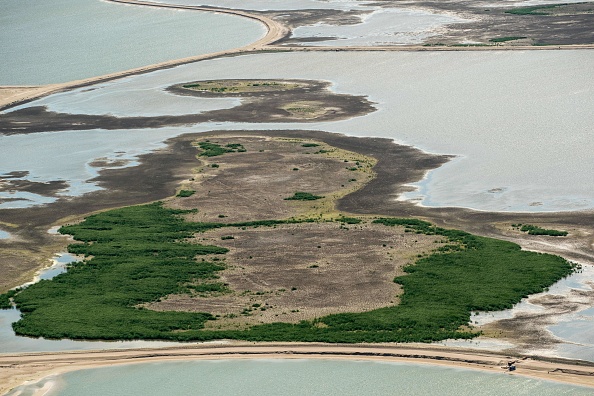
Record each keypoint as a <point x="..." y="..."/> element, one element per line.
<point x="31" y="367"/>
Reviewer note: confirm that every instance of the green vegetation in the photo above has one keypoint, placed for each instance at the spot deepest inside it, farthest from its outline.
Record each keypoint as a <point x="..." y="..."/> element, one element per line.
<point x="504" y="39"/>
<point x="303" y="196"/>
<point x="213" y="149"/>
<point x="241" y="86"/>
<point x="535" y="10"/>
<point x="138" y="255"/>
<point x="536" y="230"/>
<point x="5" y="299"/>
<point x="309" y="145"/>
<point x="186" y="193"/>
<point x="227" y="237"/>
<point x="141" y="254"/>
<point x="349" y="220"/>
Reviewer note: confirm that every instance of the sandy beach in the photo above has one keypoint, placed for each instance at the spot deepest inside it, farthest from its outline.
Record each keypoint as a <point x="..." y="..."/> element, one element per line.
<point x="31" y="367"/>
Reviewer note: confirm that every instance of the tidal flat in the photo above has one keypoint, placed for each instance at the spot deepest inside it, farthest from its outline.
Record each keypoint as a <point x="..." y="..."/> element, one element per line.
<point x="521" y="140"/>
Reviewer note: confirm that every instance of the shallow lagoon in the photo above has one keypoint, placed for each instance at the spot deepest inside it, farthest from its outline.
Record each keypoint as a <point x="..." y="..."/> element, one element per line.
<point x="294" y="377"/>
<point x="522" y="138"/>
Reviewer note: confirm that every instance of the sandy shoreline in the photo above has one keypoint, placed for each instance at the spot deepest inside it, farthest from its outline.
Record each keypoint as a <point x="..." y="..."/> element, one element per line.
<point x="276" y="31"/>
<point x="31" y="367"/>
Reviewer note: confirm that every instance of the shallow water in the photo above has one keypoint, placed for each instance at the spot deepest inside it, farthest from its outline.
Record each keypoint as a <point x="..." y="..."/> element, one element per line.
<point x="522" y="139"/>
<point x="573" y="329"/>
<point x="45" y="42"/>
<point x="44" y="156"/>
<point x="382" y="27"/>
<point x="4" y="234"/>
<point x="295" y="377"/>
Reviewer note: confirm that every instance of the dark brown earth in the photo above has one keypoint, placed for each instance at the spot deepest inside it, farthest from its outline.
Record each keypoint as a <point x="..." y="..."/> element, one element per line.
<point x="253" y="108"/>
<point x="564" y="25"/>
<point x="161" y="173"/>
<point x="304" y="271"/>
<point x="290" y="272"/>
<point x="567" y="24"/>
<point x="157" y="177"/>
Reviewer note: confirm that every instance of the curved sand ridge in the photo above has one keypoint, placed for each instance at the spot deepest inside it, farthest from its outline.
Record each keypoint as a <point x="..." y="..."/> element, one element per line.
<point x="13" y="96"/>
<point x="20" y="368"/>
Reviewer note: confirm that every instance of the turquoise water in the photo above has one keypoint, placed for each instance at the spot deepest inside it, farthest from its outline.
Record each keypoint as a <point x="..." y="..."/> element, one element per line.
<point x="44" y="42"/>
<point x="296" y="377"/>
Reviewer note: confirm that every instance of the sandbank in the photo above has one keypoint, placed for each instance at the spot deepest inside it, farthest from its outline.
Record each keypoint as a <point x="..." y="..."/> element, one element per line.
<point x="276" y="32"/>
<point x="31" y="367"/>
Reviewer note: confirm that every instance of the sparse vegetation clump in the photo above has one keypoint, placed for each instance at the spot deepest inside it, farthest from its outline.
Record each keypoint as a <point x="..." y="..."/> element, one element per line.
<point x="505" y="39"/>
<point x="5" y="299"/>
<point x="535" y="10"/>
<point x="185" y="193"/>
<point x="303" y="196"/>
<point x="536" y="230"/>
<point x="214" y="149"/>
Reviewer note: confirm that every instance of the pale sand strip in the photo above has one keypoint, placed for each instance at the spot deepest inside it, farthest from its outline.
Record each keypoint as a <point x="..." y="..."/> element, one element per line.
<point x="275" y="32"/>
<point x="16" y="369"/>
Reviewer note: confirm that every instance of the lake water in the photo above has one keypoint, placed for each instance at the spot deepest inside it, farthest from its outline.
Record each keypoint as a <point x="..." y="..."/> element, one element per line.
<point x="522" y="139"/>
<point x="382" y="27"/>
<point x="44" y="42"/>
<point x="294" y="377"/>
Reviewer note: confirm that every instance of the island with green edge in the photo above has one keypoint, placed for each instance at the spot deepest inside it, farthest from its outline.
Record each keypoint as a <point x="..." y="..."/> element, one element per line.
<point x="252" y="250"/>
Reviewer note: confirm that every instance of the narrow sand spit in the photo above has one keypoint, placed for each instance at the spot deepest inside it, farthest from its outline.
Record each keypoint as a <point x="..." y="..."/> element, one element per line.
<point x="275" y="31"/>
<point x="31" y="367"/>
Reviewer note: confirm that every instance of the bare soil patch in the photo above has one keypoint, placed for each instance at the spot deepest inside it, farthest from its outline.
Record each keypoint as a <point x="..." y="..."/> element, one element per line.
<point x="253" y="185"/>
<point x="304" y="271"/>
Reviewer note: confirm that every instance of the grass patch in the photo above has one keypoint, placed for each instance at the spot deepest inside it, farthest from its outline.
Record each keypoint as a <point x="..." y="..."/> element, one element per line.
<point x="536" y="230"/>
<point x="141" y="254"/>
<point x="303" y="196"/>
<point x="185" y="193"/>
<point x="5" y="302"/>
<point x="504" y="39"/>
<point x="212" y="149"/>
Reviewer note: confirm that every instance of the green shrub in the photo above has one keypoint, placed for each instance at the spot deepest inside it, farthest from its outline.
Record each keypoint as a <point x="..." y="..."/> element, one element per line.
<point x="186" y="193"/>
<point x="303" y="196"/>
<point x="535" y="230"/>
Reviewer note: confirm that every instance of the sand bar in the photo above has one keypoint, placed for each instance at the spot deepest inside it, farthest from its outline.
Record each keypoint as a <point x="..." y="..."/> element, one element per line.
<point x="276" y="31"/>
<point x="20" y="368"/>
